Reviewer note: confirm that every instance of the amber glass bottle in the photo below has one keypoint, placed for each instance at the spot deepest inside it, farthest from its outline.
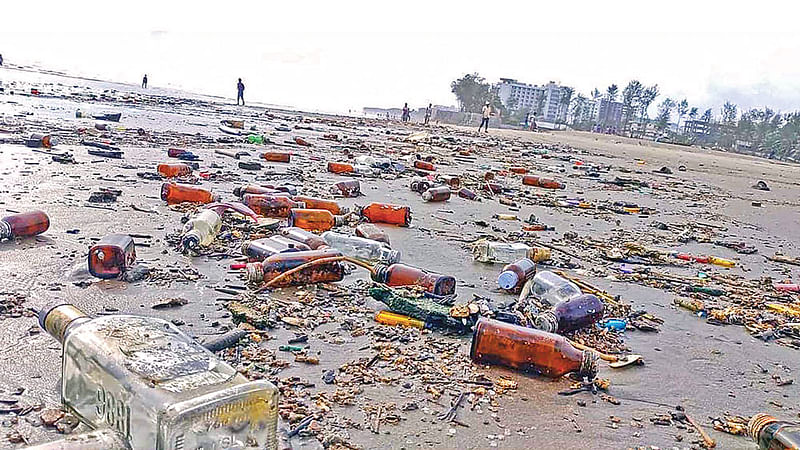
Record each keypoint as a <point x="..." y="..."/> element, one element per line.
<point x="270" y="205"/>
<point x="436" y="194"/>
<point x="314" y="219"/>
<point x="304" y="237"/>
<point x="177" y="193"/>
<point x="174" y="170"/>
<point x="320" y="203"/>
<point x="24" y="224"/>
<point x="277" y="156"/>
<point x="403" y="275"/>
<point x="283" y="262"/>
<point x="571" y="314"/>
<point x="467" y="194"/>
<point x="335" y="167"/>
<point x="112" y="256"/>
<point x="516" y="274"/>
<point x="424" y="165"/>
<point x="529" y="350"/>
<point x="547" y="183"/>
<point x="387" y="213"/>
<point x="518" y="170"/>
<point x="349" y="188"/>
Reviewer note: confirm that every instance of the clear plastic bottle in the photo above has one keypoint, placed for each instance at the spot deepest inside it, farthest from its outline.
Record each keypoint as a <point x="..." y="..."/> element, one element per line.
<point x="773" y="434"/>
<point x="529" y="350"/>
<point x="362" y="248"/>
<point x="516" y="274"/>
<point x="571" y="314"/>
<point x="201" y="229"/>
<point x="24" y="224"/>
<point x="155" y="386"/>
<point x="553" y="288"/>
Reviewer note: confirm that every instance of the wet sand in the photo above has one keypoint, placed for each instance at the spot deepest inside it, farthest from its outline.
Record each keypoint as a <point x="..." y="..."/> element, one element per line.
<point x="709" y="370"/>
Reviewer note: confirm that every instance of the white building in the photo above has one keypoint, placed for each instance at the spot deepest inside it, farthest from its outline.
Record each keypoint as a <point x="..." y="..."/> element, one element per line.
<point x="547" y="101"/>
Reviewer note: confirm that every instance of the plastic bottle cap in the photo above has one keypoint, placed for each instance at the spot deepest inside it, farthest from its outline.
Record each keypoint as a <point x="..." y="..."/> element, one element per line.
<point x="507" y="280"/>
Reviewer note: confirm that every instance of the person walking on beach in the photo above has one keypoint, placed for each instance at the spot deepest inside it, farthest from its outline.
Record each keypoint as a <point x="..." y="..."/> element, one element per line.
<point x="144" y="82"/>
<point x="1" y="60"/>
<point x="428" y="113"/>
<point x="406" y="114"/>
<point x="487" y="112"/>
<point x="240" y="89"/>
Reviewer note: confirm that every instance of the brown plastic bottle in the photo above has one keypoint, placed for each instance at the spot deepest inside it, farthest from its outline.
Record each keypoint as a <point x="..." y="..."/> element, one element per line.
<point x="547" y="183"/>
<point x="514" y="275"/>
<point x="111" y="256"/>
<point x="437" y="194"/>
<point x="282" y="262"/>
<point x="271" y="205"/>
<point x="24" y="224"/>
<point x="387" y="213"/>
<point x="261" y="249"/>
<point x="424" y="165"/>
<point x="304" y="237"/>
<point x="370" y="231"/>
<point x="349" y="188"/>
<point x="314" y="219"/>
<point x="403" y="275"/>
<point x="773" y="434"/>
<point x="277" y="156"/>
<point x="177" y="193"/>
<point x="467" y="194"/>
<point x="334" y="167"/>
<point x="571" y="314"/>
<point x="320" y="203"/>
<point x="529" y="350"/>
<point x="174" y="170"/>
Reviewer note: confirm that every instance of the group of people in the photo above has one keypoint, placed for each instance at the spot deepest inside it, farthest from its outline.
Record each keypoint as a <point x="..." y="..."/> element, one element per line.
<point x="239" y="86"/>
<point x="486" y="113"/>
<point x="428" y="112"/>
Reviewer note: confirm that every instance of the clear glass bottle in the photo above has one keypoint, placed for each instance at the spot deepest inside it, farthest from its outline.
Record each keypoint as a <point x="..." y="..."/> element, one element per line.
<point x="201" y="229"/>
<point x="500" y="252"/>
<point x="305" y="237"/>
<point x="773" y="434"/>
<point x="370" y="231"/>
<point x="155" y="386"/>
<point x="362" y="248"/>
<point x="112" y="256"/>
<point x="437" y="194"/>
<point x="403" y="275"/>
<point x="516" y="274"/>
<point x="176" y="193"/>
<point x="24" y="224"/>
<point x="387" y="213"/>
<point x="571" y="314"/>
<point x="314" y="219"/>
<point x="104" y="439"/>
<point x="553" y="288"/>
<point x="529" y="350"/>
<point x="276" y="206"/>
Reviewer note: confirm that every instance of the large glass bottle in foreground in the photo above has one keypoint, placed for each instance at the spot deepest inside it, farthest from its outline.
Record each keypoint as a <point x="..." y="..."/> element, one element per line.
<point x="155" y="386"/>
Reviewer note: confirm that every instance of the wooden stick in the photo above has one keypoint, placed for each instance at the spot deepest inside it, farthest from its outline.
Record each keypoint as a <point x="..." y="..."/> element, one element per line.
<point x="709" y="443"/>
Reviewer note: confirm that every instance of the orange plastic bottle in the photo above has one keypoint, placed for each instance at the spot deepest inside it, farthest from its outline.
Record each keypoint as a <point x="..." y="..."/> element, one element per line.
<point x="320" y="203"/>
<point x="437" y="194"/>
<point x="547" y="183"/>
<point x="349" y="188"/>
<point x="177" y="193"/>
<point x="277" y="156"/>
<point x="304" y="237"/>
<point x="403" y="275"/>
<point x="334" y="167"/>
<point x="24" y="224"/>
<point x="283" y="262"/>
<point x="112" y="256"/>
<point x="424" y="165"/>
<point x="314" y="219"/>
<point x="387" y="213"/>
<point x="370" y="231"/>
<point x="174" y="170"/>
<point x="529" y="350"/>
<point x="270" y="205"/>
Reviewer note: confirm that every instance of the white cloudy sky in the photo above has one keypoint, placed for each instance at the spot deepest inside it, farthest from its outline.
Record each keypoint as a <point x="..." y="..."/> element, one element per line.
<point x="340" y="55"/>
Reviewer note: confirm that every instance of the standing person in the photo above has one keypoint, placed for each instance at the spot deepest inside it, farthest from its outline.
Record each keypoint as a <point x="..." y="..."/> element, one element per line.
<point x="240" y="89"/>
<point x="1" y="60"/>
<point x="406" y="114"/>
<point x="487" y="112"/>
<point x="144" y="82"/>
<point x="428" y="113"/>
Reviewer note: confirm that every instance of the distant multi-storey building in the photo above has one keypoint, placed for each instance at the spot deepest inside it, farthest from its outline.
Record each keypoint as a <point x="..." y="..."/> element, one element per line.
<point x="548" y="102"/>
<point x="608" y="113"/>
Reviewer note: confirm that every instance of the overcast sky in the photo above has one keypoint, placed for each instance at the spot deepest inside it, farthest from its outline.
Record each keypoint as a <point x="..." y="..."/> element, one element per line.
<point x="344" y="55"/>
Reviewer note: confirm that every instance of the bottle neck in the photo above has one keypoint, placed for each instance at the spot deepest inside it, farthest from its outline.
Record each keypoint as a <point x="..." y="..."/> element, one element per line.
<point x="588" y="365"/>
<point x="5" y="230"/>
<point x="380" y="272"/>
<point x="255" y="272"/>
<point x="547" y="322"/>
<point x="57" y="318"/>
<point x="757" y="424"/>
<point x="191" y="240"/>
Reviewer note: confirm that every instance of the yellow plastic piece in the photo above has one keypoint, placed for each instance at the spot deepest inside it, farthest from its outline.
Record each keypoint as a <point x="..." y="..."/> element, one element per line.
<point x="721" y="261"/>
<point x="390" y="318"/>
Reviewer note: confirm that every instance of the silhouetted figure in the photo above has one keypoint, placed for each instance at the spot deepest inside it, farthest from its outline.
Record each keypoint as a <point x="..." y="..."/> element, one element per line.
<point x="428" y="111"/>
<point x="240" y="89"/>
<point x="144" y="81"/>
<point x="406" y="114"/>
<point x="1" y="60"/>
<point x="487" y="112"/>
